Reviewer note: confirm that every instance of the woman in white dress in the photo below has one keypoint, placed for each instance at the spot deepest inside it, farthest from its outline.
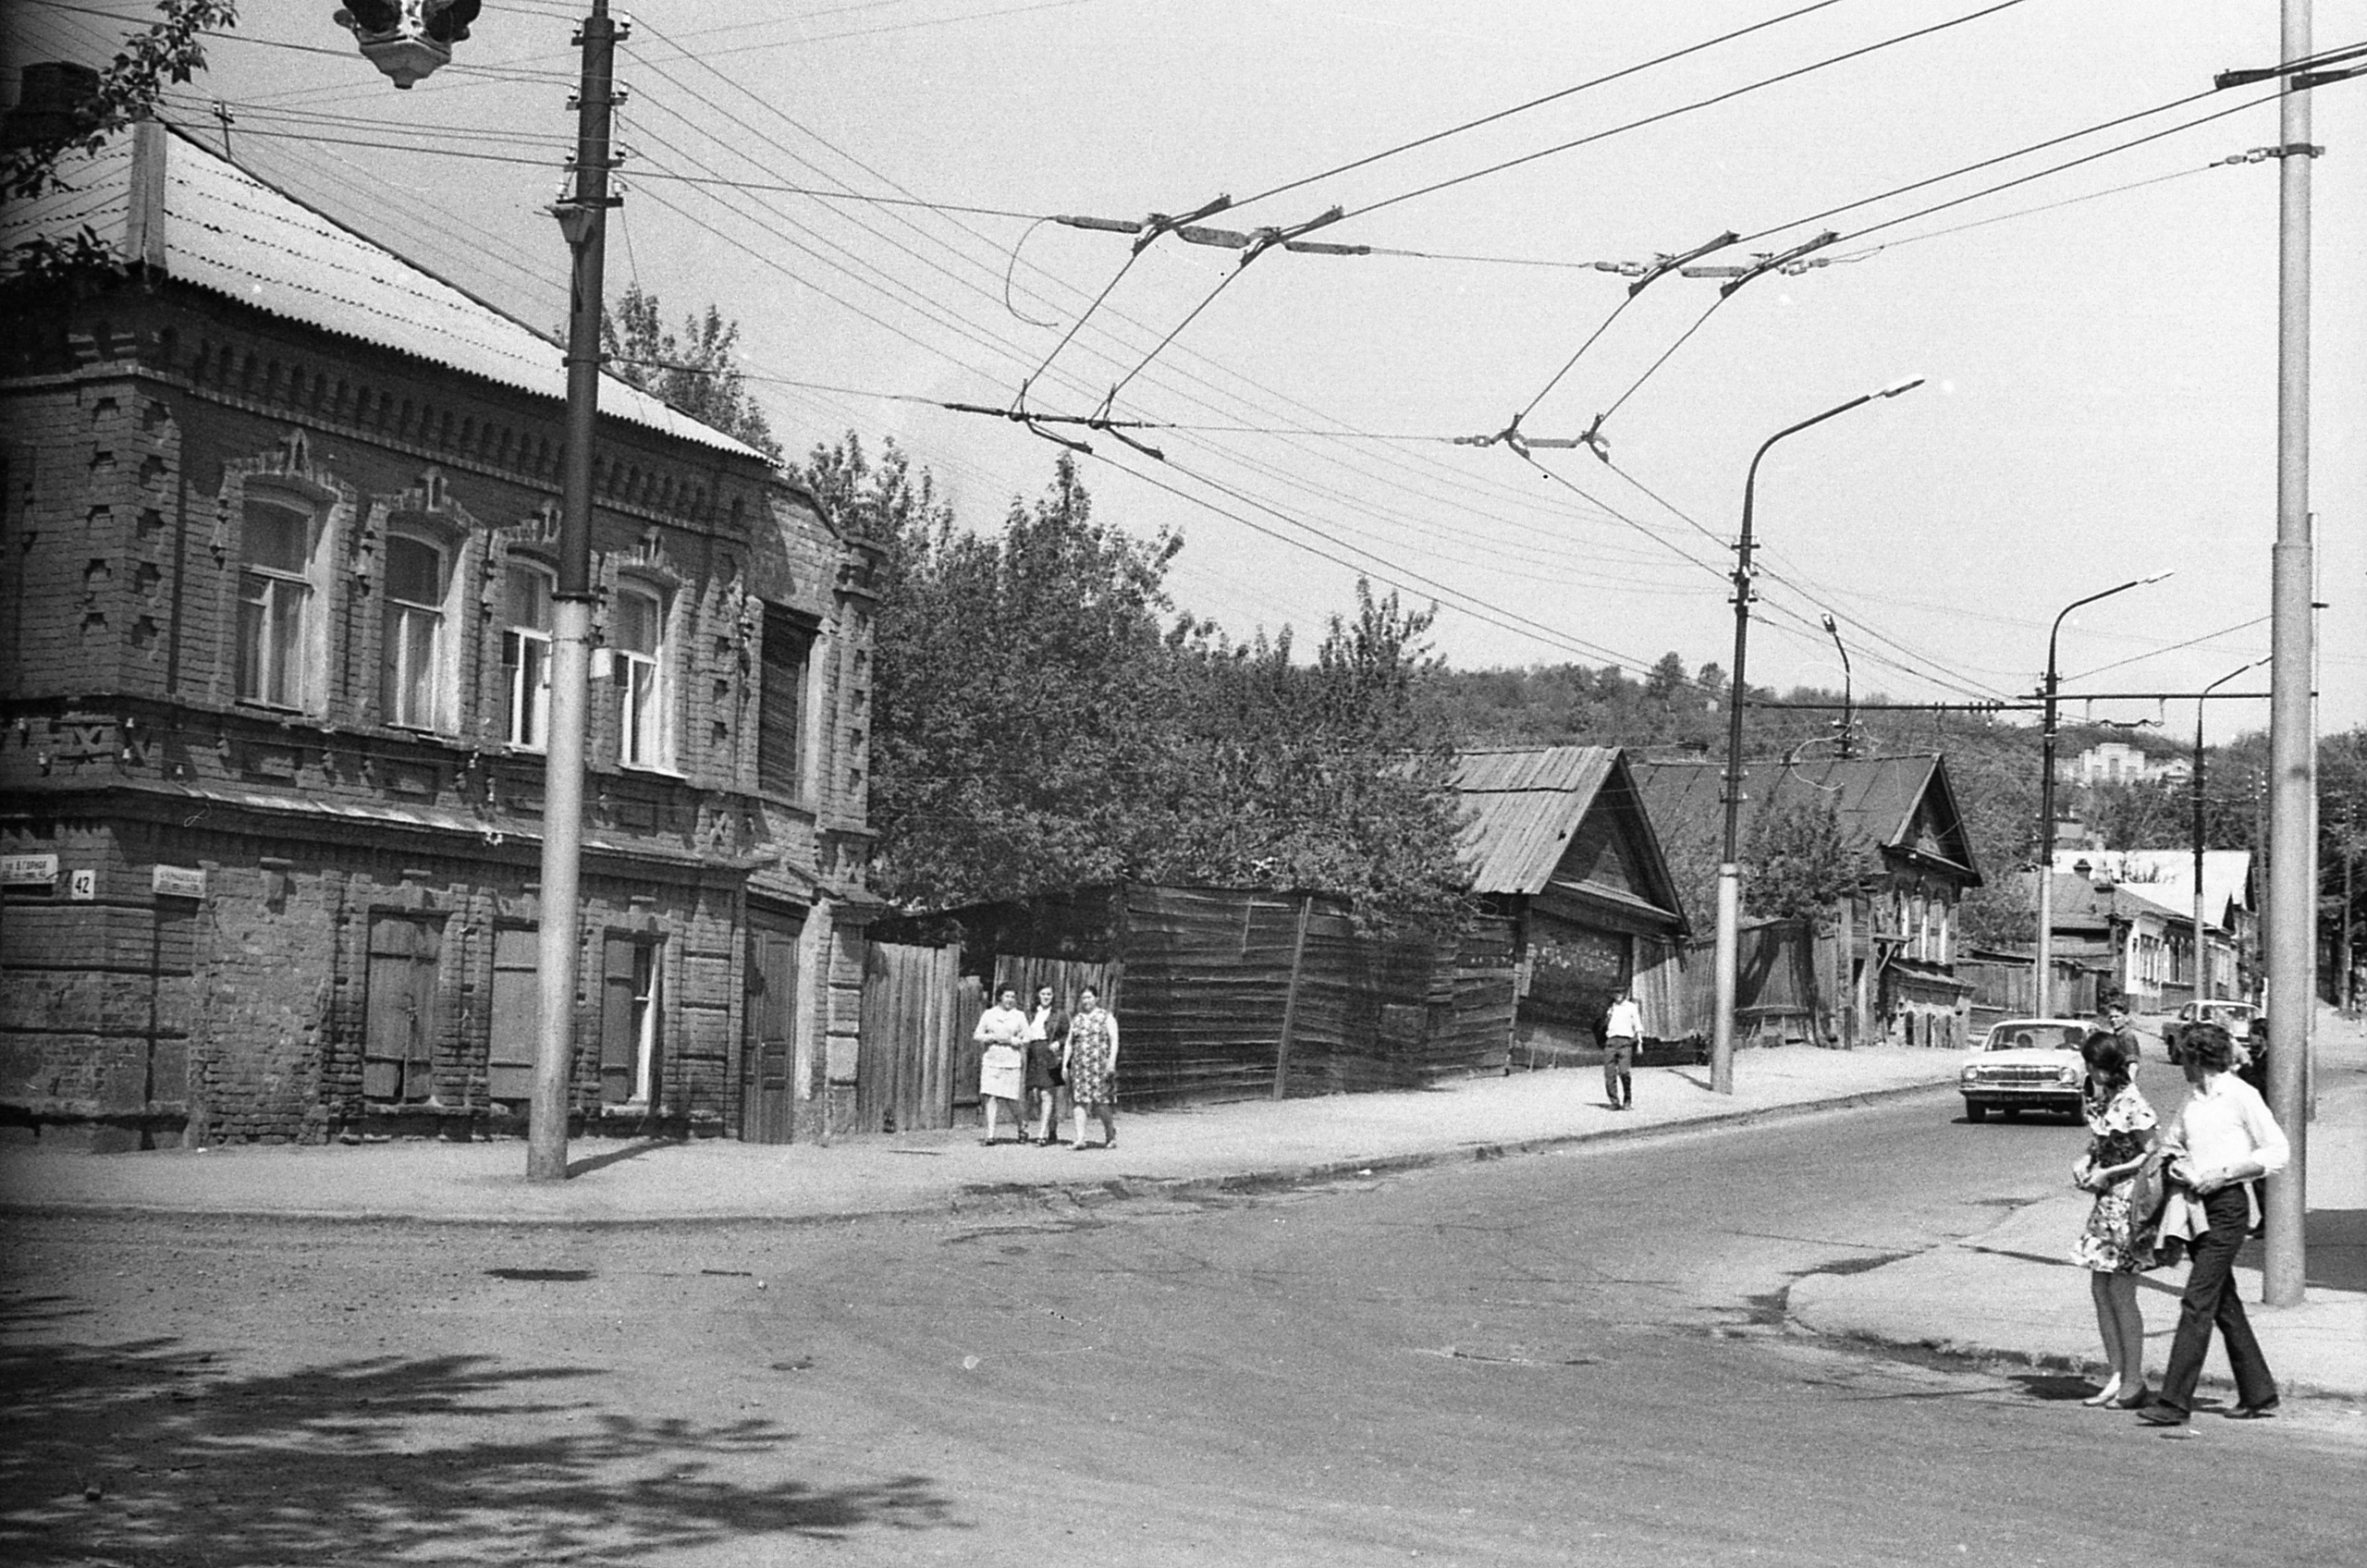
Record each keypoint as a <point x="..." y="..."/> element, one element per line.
<point x="1002" y="1067"/>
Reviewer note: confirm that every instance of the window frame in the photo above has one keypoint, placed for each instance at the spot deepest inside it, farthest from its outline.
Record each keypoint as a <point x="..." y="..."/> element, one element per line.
<point x="645" y="738"/>
<point x="438" y="615"/>
<point x="517" y="639"/>
<point x="304" y="654"/>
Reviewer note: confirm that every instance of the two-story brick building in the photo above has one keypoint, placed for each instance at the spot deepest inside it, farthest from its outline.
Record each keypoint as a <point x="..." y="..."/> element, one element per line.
<point x="277" y="514"/>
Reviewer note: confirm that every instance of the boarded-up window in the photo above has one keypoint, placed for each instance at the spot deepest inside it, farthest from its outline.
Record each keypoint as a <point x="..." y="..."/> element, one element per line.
<point x="398" y="1035"/>
<point x="517" y="1010"/>
<point x="781" y="707"/>
<point x="630" y="1020"/>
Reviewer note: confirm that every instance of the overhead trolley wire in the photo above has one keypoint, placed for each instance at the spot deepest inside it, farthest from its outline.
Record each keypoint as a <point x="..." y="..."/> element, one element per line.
<point x="1537" y="103"/>
<point x="1685" y="108"/>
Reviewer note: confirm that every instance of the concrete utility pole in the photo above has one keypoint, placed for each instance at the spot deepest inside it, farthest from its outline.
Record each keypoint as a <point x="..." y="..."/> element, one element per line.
<point x="1729" y="949"/>
<point x="2292" y="883"/>
<point x="583" y="219"/>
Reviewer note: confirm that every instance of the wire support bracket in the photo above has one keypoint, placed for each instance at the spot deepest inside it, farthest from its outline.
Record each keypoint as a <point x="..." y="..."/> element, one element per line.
<point x="1034" y="423"/>
<point x="2262" y="155"/>
<point x="1792" y="262"/>
<point x="1661" y="266"/>
<point x="1521" y="445"/>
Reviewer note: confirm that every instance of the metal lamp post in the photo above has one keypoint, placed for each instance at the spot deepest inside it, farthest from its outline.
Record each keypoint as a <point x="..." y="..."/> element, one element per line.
<point x="2042" y="976"/>
<point x="2203" y="986"/>
<point x="1721" y="1024"/>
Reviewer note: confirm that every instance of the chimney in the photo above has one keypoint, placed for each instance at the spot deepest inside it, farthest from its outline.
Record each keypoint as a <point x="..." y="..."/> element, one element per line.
<point x="52" y="104"/>
<point x="143" y="220"/>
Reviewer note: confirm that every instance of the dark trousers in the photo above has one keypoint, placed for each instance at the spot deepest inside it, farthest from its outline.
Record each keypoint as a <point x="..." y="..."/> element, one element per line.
<point x="1617" y="1087"/>
<point x="2211" y="1300"/>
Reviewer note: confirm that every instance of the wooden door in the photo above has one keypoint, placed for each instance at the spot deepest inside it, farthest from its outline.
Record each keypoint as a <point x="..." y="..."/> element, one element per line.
<point x="516" y="1012"/>
<point x="767" y="1101"/>
<point x="398" y="1035"/>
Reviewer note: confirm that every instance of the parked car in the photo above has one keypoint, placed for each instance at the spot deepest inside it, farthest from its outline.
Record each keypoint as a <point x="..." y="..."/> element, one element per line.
<point x="2026" y="1063"/>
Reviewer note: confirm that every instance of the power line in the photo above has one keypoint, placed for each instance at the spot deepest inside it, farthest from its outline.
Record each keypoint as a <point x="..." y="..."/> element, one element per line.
<point x="1681" y="109"/>
<point x="1538" y="103"/>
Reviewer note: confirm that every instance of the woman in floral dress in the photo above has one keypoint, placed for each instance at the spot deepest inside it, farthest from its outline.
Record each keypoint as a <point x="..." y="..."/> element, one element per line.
<point x="2121" y="1128"/>
<point x="1093" y="1068"/>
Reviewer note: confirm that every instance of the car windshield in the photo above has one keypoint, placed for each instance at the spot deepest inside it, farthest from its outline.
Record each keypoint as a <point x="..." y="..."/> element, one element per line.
<point x="2037" y="1036"/>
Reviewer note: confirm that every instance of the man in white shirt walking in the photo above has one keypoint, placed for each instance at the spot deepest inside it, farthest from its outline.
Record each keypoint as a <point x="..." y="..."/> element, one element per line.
<point x="1622" y="1032"/>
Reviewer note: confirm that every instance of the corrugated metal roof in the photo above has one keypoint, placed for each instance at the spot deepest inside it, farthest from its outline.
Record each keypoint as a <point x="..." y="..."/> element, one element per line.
<point x="1521" y="807"/>
<point x="229" y="232"/>
<point x="1875" y="798"/>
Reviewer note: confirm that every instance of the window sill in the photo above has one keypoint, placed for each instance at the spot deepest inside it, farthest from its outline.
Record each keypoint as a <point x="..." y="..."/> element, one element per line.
<point x="653" y="770"/>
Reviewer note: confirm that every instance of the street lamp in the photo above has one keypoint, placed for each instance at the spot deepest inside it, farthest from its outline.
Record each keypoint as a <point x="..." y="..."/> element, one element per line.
<point x="1721" y="1023"/>
<point x="2201" y="949"/>
<point x="2044" y="973"/>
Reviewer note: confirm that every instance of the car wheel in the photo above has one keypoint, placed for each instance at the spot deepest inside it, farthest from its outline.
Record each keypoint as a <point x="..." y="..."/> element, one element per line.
<point x="1975" y="1112"/>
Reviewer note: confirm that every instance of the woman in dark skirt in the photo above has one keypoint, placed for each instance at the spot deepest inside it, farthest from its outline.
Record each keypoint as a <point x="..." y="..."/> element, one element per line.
<point x="1048" y="1038"/>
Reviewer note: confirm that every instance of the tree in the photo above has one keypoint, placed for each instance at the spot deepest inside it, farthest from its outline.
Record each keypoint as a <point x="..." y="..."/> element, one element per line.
<point x="697" y="372"/>
<point x="1043" y="720"/>
<point x="169" y="50"/>
<point x="1801" y="859"/>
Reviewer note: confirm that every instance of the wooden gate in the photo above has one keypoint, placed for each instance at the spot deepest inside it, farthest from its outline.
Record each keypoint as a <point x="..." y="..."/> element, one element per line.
<point x="914" y="1061"/>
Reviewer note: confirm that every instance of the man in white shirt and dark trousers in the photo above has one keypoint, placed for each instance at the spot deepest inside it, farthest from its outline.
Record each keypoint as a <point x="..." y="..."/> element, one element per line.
<point x="2223" y="1138"/>
<point x="1622" y="1032"/>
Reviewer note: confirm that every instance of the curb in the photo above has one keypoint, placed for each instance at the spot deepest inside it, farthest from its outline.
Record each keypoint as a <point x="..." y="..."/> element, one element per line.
<point x="2036" y="1361"/>
<point x="1003" y="1196"/>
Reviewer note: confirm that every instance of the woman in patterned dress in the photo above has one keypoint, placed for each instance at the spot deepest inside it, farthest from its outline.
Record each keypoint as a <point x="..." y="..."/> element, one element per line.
<point x="2121" y="1128"/>
<point x="1092" y="1068"/>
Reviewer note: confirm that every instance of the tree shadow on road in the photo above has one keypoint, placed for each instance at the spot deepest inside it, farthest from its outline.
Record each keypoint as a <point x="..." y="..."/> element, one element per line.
<point x="146" y="1451"/>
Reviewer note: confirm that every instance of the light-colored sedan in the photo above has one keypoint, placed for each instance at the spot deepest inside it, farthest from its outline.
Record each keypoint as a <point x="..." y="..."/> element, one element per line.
<point x="2026" y="1063"/>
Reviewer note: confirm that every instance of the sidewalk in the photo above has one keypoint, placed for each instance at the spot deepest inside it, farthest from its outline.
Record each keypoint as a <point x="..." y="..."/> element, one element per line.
<point x="2013" y="1291"/>
<point x="1242" y="1145"/>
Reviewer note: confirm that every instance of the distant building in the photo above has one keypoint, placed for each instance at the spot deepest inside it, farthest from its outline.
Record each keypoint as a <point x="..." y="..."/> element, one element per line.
<point x="2115" y="762"/>
<point x="1891" y="972"/>
<point x="279" y="510"/>
<point x="2164" y="879"/>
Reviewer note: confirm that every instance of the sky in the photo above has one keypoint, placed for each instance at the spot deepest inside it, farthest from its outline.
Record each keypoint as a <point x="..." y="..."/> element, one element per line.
<point x="2098" y="343"/>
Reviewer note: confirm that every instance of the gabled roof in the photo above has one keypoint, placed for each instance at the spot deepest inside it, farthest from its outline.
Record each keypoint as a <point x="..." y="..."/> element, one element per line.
<point x="229" y="233"/>
<point x="2166" y="877"/>
<point x="1903" y="804"/>
<point x="1524" y="810"/>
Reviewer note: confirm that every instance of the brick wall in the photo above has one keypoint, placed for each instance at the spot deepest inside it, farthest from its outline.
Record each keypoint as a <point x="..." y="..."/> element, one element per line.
<point x="139" y="427"/>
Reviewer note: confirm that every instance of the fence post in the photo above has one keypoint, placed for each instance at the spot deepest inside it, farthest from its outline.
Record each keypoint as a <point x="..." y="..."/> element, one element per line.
<point x="1289" y="997"/>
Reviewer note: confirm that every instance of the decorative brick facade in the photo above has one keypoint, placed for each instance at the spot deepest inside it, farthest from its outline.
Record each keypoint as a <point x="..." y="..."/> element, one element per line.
<point x="258" y="622"/>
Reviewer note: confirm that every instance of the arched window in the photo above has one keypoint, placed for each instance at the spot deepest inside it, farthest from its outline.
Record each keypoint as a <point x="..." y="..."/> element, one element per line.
<point x="526" y="655"/>
<point x="279" y="603"/>
<point x="415" y="656"/>
<point x="637" y="638"/>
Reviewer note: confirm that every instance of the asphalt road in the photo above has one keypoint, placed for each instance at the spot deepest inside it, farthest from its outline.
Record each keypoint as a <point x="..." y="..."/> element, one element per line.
<point x="1576" y="1357"/>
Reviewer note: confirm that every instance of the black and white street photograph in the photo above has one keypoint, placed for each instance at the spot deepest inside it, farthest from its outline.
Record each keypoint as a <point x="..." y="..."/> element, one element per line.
<point x="1262" y="783"/>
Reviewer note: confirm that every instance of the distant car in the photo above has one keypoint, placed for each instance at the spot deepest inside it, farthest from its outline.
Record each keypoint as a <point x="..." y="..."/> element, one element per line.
<point x="2026" y="1063"/>
<point x="2234" y="1017"/>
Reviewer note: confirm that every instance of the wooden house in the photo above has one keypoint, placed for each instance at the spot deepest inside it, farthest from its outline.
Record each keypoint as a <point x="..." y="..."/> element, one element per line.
<point x="1561" y="847"/>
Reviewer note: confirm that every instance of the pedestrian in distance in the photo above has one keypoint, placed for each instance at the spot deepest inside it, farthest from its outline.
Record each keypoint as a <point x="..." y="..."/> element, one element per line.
<point x="2113" y="1248"/>
<point x="1622" y="1032"/>
<point x="2115" y="1022"/>
<point x="1048" y="1038"/>
<point x="1003" y="1066"/>
<point x="1092" y="1067"/>
<point x="2224" y="1137"/>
